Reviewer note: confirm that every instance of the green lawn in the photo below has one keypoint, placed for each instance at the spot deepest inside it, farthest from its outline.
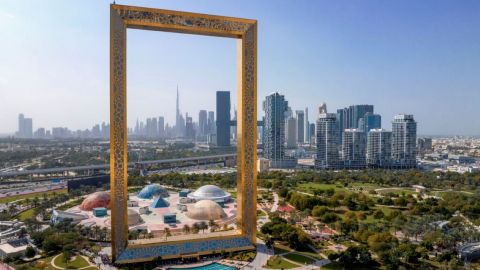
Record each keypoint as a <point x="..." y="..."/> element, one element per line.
<point x="332" y="266"/>
<point x="31" y="195"/>
<point x="281" y="249"/>
<point x="311" y="254"/>
<point x="279" y="263"/>
<point x="365" y="186"/>
<point x="70" y="204"/>
<point x="78" y="262"/>
<point x="260" y="213"/>
<point x="309" y="187"/>
<point x="26" y="214"/>
<point x="298" y="258"/>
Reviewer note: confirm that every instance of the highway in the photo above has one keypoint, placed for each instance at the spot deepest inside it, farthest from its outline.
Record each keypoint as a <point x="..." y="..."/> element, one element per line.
<point x="105" y="166"/>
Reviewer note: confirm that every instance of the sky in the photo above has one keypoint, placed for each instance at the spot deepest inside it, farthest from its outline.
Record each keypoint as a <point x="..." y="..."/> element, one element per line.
<point x="402" y="56"/>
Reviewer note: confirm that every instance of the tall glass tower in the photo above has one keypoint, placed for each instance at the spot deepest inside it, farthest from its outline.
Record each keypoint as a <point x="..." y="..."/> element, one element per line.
<point x="223" y="118"/>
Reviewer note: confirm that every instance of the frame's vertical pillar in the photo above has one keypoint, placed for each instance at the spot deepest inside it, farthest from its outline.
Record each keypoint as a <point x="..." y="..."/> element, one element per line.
<point x="247" y="133"/>
<point x="118" y="134"/>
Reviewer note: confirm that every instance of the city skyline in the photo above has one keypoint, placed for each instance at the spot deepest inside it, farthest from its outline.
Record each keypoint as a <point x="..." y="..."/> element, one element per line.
<point x="420" y="61"/>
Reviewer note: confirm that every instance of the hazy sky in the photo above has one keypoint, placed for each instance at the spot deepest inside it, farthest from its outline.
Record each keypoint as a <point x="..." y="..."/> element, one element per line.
<point x="403" y="56"/>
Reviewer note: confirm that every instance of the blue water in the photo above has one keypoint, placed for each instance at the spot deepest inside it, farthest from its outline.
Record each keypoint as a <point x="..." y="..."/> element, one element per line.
<point x="212" y="266"/>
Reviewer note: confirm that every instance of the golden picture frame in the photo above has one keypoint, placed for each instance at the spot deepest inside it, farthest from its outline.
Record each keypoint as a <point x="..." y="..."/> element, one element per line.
<point x="245" y="31"/>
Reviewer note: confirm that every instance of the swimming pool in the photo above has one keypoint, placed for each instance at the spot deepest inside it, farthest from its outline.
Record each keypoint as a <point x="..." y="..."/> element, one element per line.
<point x="212" y="266"/>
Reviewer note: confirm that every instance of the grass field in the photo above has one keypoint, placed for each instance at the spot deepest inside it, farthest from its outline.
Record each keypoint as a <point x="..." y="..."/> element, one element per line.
<point x="281" y="249"/>
<point x="310" y="187"/>
<point x="311" y="254"/>
<point x="78" y="262"/>
<point x="31" y="195"/>
<point x="365" y="186"/>
<point x="279" y="263"/>
<point x="332" y="266"/>
<point x="298" y="258"/>
<point x="26" y="214"/>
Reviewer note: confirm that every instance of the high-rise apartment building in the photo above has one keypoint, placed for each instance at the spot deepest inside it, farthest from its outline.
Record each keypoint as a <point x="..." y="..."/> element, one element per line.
<point x="189" y="128"/>
<point x="424" y="145"/>
<point x="350" y="116"/>
<point x="223" y="118"/>
<point x="202" y="123"/>
<point x="306" y="127"/>
<point x="291" y="132"/>
<point x="379" y="148"/>
<point x="327" y="142"/>
<point x="275" y="107"/>
<point x="25" y="127"/>
<point x="300" y="115"/>
<point x="370" y="121"/>
<point x="354" y="148"/>
<point x="211" y="122"/>
<point x="312" y="133"/>
<point x="161" y="127"/>
<point x="404" y="139"/>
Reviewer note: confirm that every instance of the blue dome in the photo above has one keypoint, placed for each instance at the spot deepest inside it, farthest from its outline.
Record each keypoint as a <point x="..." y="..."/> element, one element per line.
<point x="152" y="190"/>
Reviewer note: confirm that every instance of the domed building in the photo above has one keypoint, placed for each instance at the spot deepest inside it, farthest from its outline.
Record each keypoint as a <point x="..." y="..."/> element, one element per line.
<point x="133" y="217"/>
<point x="205" y="210"/>
<point x="210" y="192"/>
<point x="152" y="190"/>
<point x="94" y="200"/>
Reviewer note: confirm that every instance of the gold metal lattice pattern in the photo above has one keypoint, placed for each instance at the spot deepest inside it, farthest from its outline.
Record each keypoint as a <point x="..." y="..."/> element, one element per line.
<point x="245" y="31"/>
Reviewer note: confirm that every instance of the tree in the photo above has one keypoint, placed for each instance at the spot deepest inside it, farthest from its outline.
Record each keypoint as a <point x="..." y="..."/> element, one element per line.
<point x="213" y="225"/>
<point x="355" y="256"/>
<point x="167" y="233"/>
<point x="196" y="228"/>
<point x="30" y="252"/>
<point x="186" y="229"/>
<point x="378" y="214"/>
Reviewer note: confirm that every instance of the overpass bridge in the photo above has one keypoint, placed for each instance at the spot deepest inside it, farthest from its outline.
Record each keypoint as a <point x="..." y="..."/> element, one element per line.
<point x="226" y="159"/>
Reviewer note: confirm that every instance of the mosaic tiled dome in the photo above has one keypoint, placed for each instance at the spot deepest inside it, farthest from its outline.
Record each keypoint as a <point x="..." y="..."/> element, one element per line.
<point x="94" y="200"/>
<point x="210" y="192"/>
<point x="152" y="190"/>
<point x="206" y="210"/>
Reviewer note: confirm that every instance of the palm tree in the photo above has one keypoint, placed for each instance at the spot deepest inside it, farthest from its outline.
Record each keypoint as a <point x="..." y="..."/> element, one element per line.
<point x="203" y="226"/>
<point x="186" y="229"/>
<point x="35" y="201"/>
<point x="213" y="225"/>
<point x="196" y="228"/>
<point x="167" y="233"/>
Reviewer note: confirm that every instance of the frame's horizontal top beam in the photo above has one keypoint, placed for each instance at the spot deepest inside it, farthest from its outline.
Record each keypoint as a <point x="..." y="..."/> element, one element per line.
<point x="183" y="22"/>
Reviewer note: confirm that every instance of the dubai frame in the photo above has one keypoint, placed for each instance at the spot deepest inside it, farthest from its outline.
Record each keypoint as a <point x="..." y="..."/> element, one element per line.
<point x="245" y="31"/>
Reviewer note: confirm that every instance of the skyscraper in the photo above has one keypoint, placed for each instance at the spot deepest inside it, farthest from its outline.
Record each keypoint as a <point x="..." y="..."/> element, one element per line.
<point x="202" y="123"/>
<point x="275" y="107"/>
<point x="291" y="132"/>
<point x="161" y="127"/>
<point x="349" y="117"/>
<point x="379" y="148"/>
<point x="404" y="139"/>
<point x="189" y="129"/>
<point x="370" y="121"/>
<point x="223" y="118"/>
<point x="327" y="142"/>
<point x="306" y="127"/>
<point x="354" y="148"/>
<point x="25" y="127"/>
<point x="211" y="122"/>
<point x="300" y="115"/>
<point x="179" y="120"/>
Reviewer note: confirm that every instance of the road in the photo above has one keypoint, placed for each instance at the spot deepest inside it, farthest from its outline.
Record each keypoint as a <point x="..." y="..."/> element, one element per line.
<point x="263" y="253"/>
